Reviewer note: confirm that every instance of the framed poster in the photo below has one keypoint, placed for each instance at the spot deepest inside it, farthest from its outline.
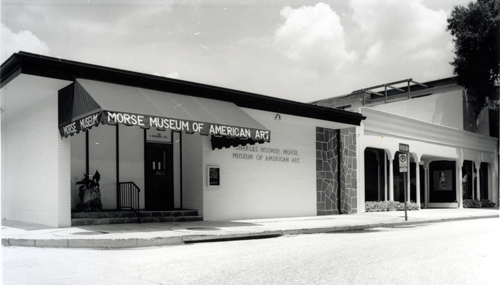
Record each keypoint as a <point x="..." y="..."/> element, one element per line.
<point x="443" y="180"/>
<point x="213" y="175"/>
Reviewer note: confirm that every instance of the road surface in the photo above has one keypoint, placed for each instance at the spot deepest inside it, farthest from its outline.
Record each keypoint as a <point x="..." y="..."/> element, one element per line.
<point x="463" y="252"/>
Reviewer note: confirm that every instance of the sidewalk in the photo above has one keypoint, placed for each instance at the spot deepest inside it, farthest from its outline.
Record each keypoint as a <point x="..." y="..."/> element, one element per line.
<point x="160" y="234"/>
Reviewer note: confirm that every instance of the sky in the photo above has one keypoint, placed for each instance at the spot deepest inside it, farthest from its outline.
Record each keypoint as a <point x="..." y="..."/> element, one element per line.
<point x="297" y="50"/>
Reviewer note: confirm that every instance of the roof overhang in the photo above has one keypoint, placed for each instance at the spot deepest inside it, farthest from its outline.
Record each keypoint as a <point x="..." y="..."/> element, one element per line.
<point x="33" y="64"/>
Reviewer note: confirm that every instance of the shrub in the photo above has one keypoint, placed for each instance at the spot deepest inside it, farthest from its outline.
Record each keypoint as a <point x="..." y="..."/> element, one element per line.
<point x="471" y="203"/>
<point x="487" y="203"/>
<point x="483" y="203"/>
<point x="383" y="206"/>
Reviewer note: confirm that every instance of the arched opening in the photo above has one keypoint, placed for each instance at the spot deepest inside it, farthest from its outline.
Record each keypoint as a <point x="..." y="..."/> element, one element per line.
<point x="399" y="185"/>
<point x="376" y="172"/>
<point x="483" y="180"/>
<point x="468" y="180"/>
<point x="413" y="179"/>
<point x="442" y="182"/>
<point x="422" y="184"/>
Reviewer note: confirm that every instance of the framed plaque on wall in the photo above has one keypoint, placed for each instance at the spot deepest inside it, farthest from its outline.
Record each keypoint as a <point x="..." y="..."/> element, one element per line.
<point x="213" y="175"/>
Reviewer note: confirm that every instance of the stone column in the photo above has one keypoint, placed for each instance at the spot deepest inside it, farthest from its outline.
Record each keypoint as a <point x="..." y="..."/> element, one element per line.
<point x="327" y="183"/>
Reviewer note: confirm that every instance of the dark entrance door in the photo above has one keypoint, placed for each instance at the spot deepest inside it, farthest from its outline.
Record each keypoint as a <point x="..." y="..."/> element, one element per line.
<point x="159" y="192"/>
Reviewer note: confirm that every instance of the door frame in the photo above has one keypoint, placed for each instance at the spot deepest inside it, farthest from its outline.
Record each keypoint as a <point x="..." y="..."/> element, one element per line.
<point x="169" y="196"/>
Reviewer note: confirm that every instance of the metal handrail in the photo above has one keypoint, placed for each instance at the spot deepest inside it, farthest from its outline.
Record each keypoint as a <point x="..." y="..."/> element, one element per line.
<point x="129" y="197"/>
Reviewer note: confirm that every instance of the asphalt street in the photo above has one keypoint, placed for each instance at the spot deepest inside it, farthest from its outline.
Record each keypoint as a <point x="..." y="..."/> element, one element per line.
<point x="461" y="252"/>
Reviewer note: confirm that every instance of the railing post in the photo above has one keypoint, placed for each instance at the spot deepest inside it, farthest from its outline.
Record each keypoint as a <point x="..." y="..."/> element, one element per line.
<point x="138" y="206"/>
<point x="127" y="197"/>
<point x="118" y="190"/>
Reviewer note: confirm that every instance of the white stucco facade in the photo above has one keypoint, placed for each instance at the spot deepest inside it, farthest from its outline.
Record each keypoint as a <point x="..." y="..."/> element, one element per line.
<point x="253" y="185"/>
<point x="45" y="154"/>
<point x="35" y="161"/>
<point x="428" y="142"/>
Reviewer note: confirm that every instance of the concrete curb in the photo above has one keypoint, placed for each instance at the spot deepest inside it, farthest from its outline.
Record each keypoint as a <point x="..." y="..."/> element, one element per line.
<point x="94" y="243"/>
<point x="229" y="237"/>
<point x="187" y="239"/>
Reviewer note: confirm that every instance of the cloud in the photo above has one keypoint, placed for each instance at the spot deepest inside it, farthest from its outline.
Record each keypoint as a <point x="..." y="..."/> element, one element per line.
<point x="313" y="36"/>
<point x="398" y="29"/>
<point x="22" y="41"/>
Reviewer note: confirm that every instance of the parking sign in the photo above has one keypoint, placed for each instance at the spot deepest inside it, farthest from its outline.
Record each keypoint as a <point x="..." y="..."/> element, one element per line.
<point x="403" y="162"/>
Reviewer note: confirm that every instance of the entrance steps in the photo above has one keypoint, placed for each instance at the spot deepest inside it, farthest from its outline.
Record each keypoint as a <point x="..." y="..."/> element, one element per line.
<point x="125" y="217"/>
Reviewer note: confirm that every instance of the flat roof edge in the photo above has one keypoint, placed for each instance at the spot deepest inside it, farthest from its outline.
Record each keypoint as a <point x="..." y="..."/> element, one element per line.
<point x="45" y="66"/>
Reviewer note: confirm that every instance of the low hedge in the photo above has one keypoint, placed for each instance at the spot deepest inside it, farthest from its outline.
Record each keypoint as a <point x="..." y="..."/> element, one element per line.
<point x="483" y="203"/>
<point x="383" y="206"/>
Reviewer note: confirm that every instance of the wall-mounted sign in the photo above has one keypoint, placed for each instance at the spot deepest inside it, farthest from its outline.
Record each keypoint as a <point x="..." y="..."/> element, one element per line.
<point x="287" y="155"/>
<point x="147" y="121"/>
<point x="154" y="135"/>
<point x="404" y="147"/>
<point x="213" y="175"/>
<point x="82" y="124"/>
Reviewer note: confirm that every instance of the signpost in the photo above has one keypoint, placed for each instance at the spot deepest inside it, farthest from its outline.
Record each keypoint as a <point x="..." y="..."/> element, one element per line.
<point x="403" y="168"/>
<point x="403" y="162"/>
<point x="404" y="148"/>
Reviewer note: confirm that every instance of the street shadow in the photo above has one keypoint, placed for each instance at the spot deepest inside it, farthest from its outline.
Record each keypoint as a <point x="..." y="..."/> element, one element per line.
<point x="409" y="226"/>
<point x="169" y="226"/>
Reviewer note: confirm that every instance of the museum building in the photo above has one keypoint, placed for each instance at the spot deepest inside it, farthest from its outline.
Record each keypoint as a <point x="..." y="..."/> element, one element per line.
<point x="160" y="144"/>
<point x="453" y="153"/>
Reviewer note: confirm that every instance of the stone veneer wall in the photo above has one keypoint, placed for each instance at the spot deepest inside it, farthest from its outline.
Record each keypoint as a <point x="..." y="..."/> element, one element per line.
<point x="327" y="171"/>
<point x="348" y="173"/>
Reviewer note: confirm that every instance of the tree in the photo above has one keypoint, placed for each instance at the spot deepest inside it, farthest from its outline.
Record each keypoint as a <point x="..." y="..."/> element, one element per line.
<point x="476" y="32"/>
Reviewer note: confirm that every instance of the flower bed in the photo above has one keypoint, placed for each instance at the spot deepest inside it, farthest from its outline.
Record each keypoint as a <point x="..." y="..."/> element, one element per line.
<point x="383" y="206"/>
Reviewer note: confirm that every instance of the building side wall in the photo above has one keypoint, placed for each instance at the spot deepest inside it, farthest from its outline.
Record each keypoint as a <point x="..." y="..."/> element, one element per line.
<point x="428" y="143"/>
<point x="483" y="122"/>
<point x="2" y="148"/>
<point x="64" y="187"/>
<point x="36" y="183"/>
<point x="470" y="123"/>
<point x="444" y="109"/>
<point x="276" y="179"/>
<point x="192" y="172"/>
